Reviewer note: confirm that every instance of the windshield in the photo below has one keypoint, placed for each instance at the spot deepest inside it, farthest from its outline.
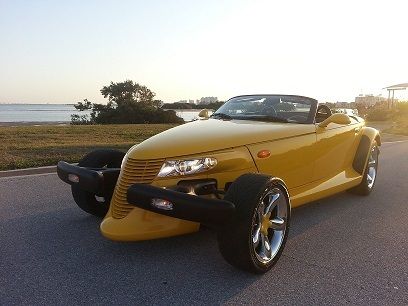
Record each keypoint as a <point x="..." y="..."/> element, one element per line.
<point x="278" y="108"/>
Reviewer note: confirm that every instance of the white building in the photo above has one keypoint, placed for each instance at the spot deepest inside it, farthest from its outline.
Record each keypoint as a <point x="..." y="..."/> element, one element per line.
<point x="369" y="100"/>
<point x="207" y="100"/>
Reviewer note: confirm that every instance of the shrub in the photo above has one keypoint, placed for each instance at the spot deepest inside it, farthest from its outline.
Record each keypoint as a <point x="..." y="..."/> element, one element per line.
<point x="128" y="102"/>
<point x="380" y="114"/>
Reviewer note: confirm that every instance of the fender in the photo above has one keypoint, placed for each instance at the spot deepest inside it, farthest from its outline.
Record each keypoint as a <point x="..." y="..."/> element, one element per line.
<point x="368" y="136"/>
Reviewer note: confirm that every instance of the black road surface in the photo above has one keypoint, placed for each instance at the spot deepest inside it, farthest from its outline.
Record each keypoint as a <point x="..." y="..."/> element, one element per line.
<point x="342" y="250"/>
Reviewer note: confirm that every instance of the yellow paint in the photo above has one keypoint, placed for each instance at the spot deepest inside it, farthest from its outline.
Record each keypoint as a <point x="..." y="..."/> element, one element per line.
<point x="212" y="135"/>
<point x="291" y="159"/>
<point x="335" y="148"/>
<point x="314" y="162"/>
<point x="338" y="118"/>
<point x="265" y="223"/>
<point x="140" y="224"/>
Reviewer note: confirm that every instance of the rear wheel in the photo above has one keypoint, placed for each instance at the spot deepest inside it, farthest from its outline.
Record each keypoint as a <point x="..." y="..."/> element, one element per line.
<point x="370" y="173"/>
<point x="254" y="238"/>
<point x="94" y="204"/>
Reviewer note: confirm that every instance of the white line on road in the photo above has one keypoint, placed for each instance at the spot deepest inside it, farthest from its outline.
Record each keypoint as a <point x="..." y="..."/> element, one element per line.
<point x="398" y="141"/>
<point x="26" y="175"/>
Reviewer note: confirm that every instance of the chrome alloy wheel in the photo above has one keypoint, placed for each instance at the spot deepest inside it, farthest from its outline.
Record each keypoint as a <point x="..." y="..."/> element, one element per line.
<point x="372" y="167"/>
<point x="269" y="225"/>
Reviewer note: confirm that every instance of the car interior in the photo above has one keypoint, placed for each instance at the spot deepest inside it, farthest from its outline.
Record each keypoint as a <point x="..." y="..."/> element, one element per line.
<point x="323" y="112"/>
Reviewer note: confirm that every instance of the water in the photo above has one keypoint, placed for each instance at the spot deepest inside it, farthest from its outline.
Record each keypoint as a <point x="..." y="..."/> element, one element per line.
<point x="36" y="112"/>
<point x="189" y="114"/>
<point x="56" y="113"/>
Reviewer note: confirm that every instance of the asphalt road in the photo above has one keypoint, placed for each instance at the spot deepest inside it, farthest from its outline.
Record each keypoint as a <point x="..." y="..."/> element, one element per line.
<point x="342" y="250"/>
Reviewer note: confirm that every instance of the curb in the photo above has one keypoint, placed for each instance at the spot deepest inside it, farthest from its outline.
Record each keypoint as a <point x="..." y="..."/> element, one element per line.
<point x="28" y="171"/>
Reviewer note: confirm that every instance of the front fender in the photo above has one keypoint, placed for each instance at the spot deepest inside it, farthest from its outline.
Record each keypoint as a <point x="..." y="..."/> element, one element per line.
<point x="372" y="134"/>
<point x="368" y="136"/>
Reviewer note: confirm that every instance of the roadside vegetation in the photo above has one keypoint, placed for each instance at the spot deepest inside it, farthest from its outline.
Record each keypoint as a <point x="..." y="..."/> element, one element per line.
<point x="182" y="105"/>
<point x="399" y="127"/>
<point x="398" y="117"/>
<point x="128" y="102"/>
<point x="35" y="146"/>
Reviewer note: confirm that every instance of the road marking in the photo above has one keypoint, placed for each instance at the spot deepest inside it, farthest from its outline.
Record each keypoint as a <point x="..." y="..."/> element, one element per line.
<point x="26" y="175"/>
<point x="398" y="141"/>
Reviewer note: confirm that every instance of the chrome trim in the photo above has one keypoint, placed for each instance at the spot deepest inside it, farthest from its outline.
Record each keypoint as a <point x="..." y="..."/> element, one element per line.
<point x="372" y="167"/>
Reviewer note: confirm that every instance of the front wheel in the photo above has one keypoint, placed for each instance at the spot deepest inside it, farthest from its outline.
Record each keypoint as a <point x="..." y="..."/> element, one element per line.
<point x="254" y="238"/>
<point x="97" y="205"/>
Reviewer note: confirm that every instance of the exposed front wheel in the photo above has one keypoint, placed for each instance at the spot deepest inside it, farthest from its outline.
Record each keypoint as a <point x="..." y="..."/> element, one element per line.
<point x="94" y="204"/>
<point x="254" y="238"/>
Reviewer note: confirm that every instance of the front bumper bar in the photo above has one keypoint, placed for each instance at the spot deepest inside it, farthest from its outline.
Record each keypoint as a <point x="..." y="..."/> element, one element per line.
<point x="99" y="181"/>
<point x="184" y="205"/>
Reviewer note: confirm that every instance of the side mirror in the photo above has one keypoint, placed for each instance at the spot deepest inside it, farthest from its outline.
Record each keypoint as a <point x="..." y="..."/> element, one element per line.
<point x="337" y="118"/>
<point x="204" y="114"/>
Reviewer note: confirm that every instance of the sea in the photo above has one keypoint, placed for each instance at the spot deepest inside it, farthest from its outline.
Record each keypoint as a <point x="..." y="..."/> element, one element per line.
<point x="60" y="113"/>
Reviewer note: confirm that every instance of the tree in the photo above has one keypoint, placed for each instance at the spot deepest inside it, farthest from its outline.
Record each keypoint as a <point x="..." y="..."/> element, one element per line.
<point x="128" y="102"/>
<point x="122" y="93"/>
<point x="182" y="105"/>
<point x="81" y="119"/>
<point x="82" y="106"/>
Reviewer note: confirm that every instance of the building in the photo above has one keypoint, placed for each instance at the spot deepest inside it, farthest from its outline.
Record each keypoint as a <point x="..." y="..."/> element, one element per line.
<point x="345" y="105"/>
<point x="207" y="100"/>
<point x="340" y="104"/>
<point x="369" y="100"/>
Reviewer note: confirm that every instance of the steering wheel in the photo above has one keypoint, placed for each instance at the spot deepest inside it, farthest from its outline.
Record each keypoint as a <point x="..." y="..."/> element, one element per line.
<point x="323" y="112"/>
<point x="269" y="111"/>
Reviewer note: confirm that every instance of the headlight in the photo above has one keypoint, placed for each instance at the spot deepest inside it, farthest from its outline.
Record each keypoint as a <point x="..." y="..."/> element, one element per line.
<point x="186" y="167"/>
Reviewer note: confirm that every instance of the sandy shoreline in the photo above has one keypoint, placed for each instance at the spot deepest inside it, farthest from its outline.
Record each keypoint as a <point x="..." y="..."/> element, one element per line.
<point x="33" y="123"/>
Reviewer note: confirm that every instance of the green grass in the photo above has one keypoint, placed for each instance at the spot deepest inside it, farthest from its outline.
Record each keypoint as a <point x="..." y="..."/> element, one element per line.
<point x="35" y="146"/>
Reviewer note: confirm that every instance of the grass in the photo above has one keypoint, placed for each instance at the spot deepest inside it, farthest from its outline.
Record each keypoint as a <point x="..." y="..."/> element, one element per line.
<point x="397" y="118"/>
<point x="399" y="125"/>
<point x="398" y="129"/>
<point x="35" y="146"/>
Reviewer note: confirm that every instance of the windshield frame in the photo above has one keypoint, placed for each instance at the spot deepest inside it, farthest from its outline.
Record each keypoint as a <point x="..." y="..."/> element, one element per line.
<point x="312" y="111"/>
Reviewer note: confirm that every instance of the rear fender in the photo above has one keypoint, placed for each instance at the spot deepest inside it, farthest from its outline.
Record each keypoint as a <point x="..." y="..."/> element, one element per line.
<point x="368" y="136"/>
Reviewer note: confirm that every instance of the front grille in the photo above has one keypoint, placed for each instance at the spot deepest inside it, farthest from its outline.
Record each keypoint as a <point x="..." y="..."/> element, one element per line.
<point x="133" y="171"/>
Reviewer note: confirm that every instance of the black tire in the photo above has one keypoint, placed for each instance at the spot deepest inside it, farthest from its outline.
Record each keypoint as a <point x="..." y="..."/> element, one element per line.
<point x="235" y="238"/>
<point x="365" y="187"/>
<point x="96" y="159"/>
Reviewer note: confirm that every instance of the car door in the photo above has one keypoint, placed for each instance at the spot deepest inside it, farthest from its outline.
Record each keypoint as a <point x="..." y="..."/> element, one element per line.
<point x="335" y="148"/>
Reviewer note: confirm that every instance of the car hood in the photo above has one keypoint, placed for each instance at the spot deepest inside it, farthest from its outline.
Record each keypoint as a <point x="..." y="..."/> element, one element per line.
<point x="213" y="135"/>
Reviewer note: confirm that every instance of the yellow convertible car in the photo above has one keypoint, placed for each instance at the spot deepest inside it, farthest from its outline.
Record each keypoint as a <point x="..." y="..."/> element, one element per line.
<point x="239" y="171"/>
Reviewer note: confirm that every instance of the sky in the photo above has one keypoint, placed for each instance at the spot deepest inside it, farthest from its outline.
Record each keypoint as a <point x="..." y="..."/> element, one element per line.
<point x="66" y="51"/>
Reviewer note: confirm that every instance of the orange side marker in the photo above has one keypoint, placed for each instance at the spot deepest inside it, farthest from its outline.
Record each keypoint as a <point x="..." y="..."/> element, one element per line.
<point x="264" y="153"/>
